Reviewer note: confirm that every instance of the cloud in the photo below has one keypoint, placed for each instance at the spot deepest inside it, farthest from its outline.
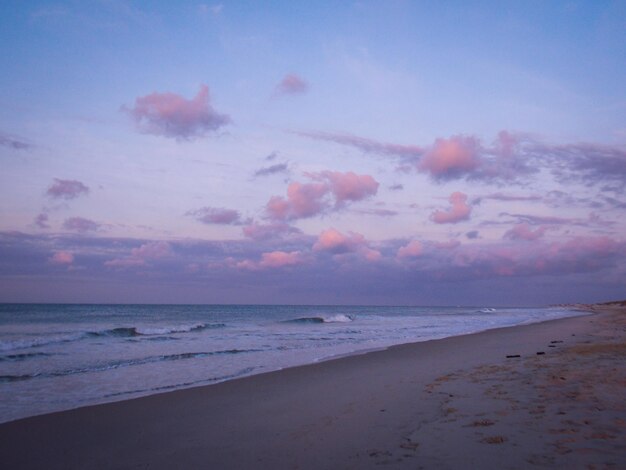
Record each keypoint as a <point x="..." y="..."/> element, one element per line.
<point x="272" y="169"/>
<point x="291" y="84"/>
<point x="12" y="142"/>
<point x="152" y="250"/>
<point x="378" y="212"/>
<point x="524" y="232"/>
<point x="171" y="115"/>
<point x="271" y="260"/>
<point x="458" y="212"/>
<point x="142" y="255"/>
<point x="511" y="197"/>
<point x="201" y="271"/>
<point x="331" y="190"/>
<point x="447" y="245"/>
<point x="336" y="243"/>
<point x="451" y="158"/>
<point x="413" y="249"/>
<point x="577" y="255"/>
<point x="367" y="145"/>
<point x="216" y="215"/>
<point x="396" y="187"/>
<point x="587" y="162"/>
<point x="303" y="201"/>
<point x="349" y="186"/>
<point x="62" y="257"/>
<point x="66" y="189"/>
<point x="279" y="259"/>
<point x="472" y="234"/>
<point x="275" y="230"/>
<point x="555" y="220"/>
<point x="510" y="158"/>
<point x="41" y="220"/>
<point x="80" y="224"/>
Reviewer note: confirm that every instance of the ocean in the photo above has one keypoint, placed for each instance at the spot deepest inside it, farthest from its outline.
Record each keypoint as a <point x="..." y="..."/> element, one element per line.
<point x="55" y="357"/>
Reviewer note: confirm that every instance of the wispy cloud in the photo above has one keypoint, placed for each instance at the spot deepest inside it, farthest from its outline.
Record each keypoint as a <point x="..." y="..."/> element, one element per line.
<point x="366" y="145"/>
<point x="524" y="232"/>
<point x="291" y="84"/>
<point x="216" y="215"/>
<point x="272" y="169"/>
<point x="41" y="220"/>
<point x="80" y="224"/>
<point x="67" y="189"/>
<point x="13" y="142"/>
<point x="510" y="158"/>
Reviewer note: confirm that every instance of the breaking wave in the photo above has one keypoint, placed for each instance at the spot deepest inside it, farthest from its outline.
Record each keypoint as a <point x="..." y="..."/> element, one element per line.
<point x="132" y="331"/>
<point x="339" y="318"/>
<point x="120" y="332"/>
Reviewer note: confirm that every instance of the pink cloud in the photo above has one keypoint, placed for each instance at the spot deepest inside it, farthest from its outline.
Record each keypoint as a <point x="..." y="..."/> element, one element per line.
<point x="41" y="220"/>
<point x="270" y="260"/>
<point x="216" y="215"/>
<point x="349" y="186"/>
<point x="331" y="188"/>
<point x="413" y="249"/>
<point x="62" y="257"/>
<point x="66" y="189"/>
<point x="451" y="158"/>
<point x="303" y="200"/>
<point x="171" y="115"/>
<point x="458" y="212"/>
<point x="279" y="259"/>
<point x="291" y="84"/>
<point x="523" y="232"/>
<point x="142" y="255"/>
<point x="336" y="243"/>
<point x="80" y="224"/>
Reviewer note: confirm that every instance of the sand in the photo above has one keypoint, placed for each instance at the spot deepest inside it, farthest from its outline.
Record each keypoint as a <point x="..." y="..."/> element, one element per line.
<point x="455" y="403"/>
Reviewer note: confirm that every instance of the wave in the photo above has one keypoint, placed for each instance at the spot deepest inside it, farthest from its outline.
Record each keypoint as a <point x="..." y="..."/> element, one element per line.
<point x="487" y="310"/>
<point x="161" y="388"/>
<point x="132" y="331"/>
<point x="22" y="356"/>
<point x="120" y="332"/>
<point x="339" y="318"/>
<point x="122" y="363"/>
<point x="38" y="341"/>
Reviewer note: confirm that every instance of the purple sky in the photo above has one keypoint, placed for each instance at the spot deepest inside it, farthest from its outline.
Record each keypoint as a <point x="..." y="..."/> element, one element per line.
<point x="355" y="153"/>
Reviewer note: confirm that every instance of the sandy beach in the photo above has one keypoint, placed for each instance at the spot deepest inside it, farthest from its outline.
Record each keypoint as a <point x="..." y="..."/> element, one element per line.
<point x="547" y="395"/>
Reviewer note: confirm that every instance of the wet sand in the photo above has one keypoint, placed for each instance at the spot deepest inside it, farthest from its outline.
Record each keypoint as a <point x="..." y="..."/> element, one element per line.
<point x="453" y="403"/>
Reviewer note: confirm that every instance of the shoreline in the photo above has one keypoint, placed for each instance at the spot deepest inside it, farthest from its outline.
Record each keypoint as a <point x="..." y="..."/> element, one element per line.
<point x="356" y="411"/>
<point x="582" y="309"/>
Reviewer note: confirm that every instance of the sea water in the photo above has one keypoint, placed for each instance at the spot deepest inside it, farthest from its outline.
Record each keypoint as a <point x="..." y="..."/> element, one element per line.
<point x="56" y="357"/>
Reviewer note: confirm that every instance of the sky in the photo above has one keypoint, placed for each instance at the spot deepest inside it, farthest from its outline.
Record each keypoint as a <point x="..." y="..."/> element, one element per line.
<point x="365" y="152"/>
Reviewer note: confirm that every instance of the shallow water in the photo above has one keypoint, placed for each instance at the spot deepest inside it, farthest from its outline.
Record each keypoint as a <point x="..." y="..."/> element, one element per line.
<point x="55" y="357"/>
